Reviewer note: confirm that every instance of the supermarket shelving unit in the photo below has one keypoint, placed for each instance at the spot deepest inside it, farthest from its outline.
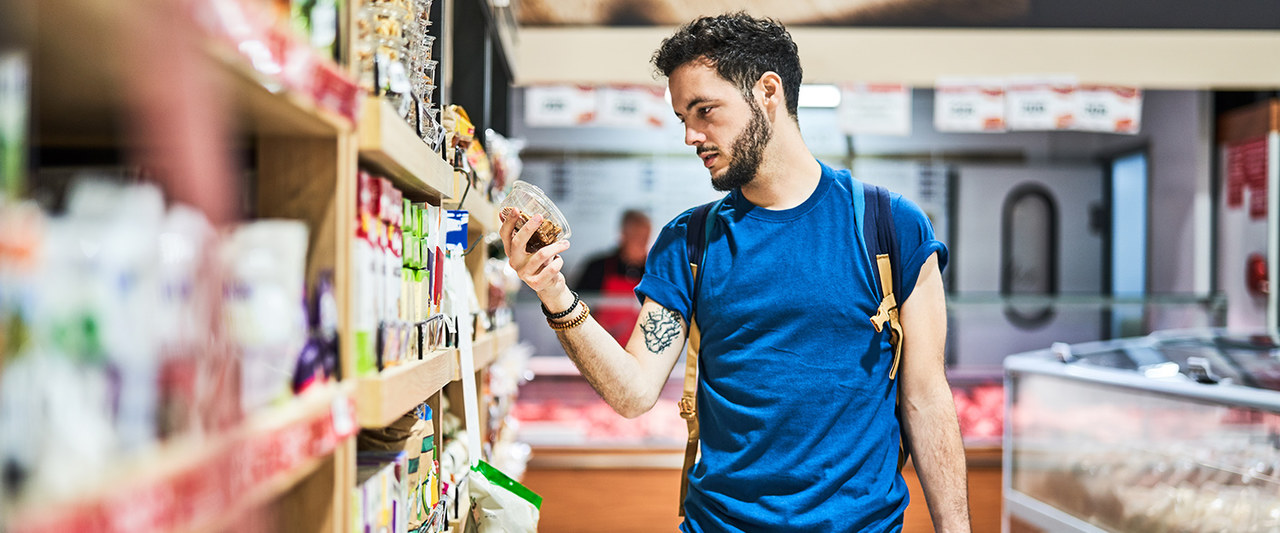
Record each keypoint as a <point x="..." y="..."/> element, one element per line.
<point x="294" y="461"/>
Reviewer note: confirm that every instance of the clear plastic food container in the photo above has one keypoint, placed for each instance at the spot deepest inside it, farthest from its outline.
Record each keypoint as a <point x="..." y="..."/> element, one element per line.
<point x="529" y="200"/>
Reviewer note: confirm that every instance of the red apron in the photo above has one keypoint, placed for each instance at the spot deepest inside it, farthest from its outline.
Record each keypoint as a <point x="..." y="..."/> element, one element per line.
<point x="618" y="310"/>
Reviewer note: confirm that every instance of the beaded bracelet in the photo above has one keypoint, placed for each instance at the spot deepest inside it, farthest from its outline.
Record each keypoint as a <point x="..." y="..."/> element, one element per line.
<point x="557" y="316"/>
<point x="561" y="326"/>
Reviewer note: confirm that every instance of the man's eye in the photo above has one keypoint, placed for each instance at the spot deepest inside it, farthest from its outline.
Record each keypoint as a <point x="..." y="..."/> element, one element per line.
<point x="704" y="111"/>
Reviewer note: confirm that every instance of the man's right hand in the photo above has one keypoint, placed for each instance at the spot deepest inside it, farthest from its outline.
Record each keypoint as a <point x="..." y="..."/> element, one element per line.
<point x="541" y="270"/>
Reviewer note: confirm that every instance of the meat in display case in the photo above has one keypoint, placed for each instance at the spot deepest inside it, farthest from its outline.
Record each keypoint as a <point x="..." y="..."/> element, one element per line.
<point x="1176" y="431"/>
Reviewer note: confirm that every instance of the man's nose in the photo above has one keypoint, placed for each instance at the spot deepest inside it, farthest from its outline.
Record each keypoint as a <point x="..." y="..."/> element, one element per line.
<point x="693" y="137"/>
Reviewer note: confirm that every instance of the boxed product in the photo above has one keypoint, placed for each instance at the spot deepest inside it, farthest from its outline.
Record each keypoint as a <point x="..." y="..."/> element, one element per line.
<point x="380" y="493"/>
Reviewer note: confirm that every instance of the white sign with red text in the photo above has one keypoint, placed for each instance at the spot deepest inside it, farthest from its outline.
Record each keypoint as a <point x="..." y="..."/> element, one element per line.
<point x="969" y="105"/>
<point x="1108" y="108"/>
<point x="1041" y="103"/>
<point x="875" y="109"/>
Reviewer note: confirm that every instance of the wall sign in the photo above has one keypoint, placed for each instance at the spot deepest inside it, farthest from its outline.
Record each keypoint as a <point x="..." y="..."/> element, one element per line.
<point x="969" y="105"/>
<point x="559" y="105"/>
<point x="1041" y="103"/>
<point x="875" y="109"/>
<point x="1111" y="109"/>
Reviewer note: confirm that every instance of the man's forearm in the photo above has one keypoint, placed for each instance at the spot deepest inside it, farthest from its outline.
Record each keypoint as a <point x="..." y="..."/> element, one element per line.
<point x="938" y="456"/>
<point x="612" y="371"/>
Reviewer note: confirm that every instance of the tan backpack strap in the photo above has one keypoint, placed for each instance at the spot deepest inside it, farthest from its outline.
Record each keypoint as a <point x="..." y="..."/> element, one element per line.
<point x="888" y="312"/>
<point x="689" y="403"/>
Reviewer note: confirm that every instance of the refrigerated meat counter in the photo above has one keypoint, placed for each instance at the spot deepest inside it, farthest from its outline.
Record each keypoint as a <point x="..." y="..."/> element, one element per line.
<point x="1175" y="431"/>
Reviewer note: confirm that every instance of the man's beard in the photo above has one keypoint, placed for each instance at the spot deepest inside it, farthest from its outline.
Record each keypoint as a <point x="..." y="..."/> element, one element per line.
<point x="748" y="151"/>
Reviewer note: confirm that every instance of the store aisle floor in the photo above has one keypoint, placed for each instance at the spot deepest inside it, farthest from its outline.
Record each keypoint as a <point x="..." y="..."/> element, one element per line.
<point x="642" y="500"/>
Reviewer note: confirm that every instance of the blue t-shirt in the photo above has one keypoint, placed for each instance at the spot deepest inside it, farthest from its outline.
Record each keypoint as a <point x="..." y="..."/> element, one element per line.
<point x="795" y="404"/>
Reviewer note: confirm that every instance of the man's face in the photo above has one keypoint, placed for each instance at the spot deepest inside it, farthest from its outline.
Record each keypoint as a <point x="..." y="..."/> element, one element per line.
<point x="728" y="131"/>
<point x="635" y="239"/>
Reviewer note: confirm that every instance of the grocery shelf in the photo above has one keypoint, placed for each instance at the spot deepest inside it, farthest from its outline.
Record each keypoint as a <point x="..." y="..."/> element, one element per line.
<point x="382" y="399"/>
<point x="388" y="143"/>
<point x="198" y="485"/>
<point x="484" y="215"/>
<point x="488" y="346"/>
<point x="86" y="76"/>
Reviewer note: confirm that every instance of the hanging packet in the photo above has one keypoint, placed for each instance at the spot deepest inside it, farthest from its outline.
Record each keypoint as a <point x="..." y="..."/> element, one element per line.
<point x="502" y="504"/>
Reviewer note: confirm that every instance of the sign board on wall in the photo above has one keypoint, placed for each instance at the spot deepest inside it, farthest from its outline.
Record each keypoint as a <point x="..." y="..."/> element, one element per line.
<point x="1109" y="109"/>
<point x="1035" y="103"/>
<point x="630" y="107"/>
<point x="875" y="109"/>
<point x="969" y="105"/>
<point x="1247" y="171"/>
<point x="613" y="106"/>
<point x="1041" y="103"/>
<point x="559" y="105"/>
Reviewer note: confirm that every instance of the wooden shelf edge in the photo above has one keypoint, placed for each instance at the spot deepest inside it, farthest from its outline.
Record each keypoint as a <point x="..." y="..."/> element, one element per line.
<point x="508" y="336"/>
<point x="382" y="399"/>
<point x="84" y="76"/>
<point x="484" y="215"/>
<point x="389" y="144"/>
<point x="273" y="112"/>
<point x="488" y="346"/>
<point x="263" y="458"/>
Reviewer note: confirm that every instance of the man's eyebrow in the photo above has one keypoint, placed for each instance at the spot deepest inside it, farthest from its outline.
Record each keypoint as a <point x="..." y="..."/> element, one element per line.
<point x="697" y="100"/>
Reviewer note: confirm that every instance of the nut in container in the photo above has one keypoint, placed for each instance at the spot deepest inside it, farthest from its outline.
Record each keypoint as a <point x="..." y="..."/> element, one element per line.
<point x="528" y="200"/>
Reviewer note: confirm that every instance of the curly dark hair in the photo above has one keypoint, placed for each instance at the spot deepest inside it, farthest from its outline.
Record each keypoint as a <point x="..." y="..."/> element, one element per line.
<point x="740" y="47"/>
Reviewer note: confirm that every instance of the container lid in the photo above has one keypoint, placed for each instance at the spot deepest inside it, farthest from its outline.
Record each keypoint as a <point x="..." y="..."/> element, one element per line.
<point x="530" y="200"/>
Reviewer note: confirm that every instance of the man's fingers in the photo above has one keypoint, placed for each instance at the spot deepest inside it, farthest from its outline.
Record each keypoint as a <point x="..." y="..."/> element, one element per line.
<point x="521" y="239"/>
<point x="548" y="274"/>
<point x="508" y="216"/>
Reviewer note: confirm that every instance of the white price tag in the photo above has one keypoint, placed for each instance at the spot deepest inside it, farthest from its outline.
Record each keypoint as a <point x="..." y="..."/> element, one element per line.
<point x="343" y="422"/>
<point x="1109" y="109"/>
<point x="397" y="77"/>
<point x="875" y="109"/>
<point x="1041" y="103"/>
<point x="969" y="105"/>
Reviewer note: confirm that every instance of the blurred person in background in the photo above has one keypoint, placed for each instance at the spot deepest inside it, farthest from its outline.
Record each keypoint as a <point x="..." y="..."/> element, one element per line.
<point x="614" y="275"/>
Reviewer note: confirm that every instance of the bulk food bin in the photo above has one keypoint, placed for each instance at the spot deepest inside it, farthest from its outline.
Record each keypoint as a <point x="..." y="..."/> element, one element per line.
<point x="1176" y="431"/>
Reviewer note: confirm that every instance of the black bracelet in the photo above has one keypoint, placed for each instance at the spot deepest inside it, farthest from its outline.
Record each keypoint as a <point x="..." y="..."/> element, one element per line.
<point x="562" y="314"/>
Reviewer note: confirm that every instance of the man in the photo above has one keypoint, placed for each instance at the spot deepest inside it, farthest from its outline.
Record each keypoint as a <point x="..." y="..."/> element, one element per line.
<point x="796" y="405"/>
<point x="614" y="276"/>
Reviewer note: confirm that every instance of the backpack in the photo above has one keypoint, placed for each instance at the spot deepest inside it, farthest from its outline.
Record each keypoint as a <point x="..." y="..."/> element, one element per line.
<point x="877" y="222"/>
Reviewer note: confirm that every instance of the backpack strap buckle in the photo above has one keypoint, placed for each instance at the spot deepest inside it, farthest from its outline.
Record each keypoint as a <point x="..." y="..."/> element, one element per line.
<point x="688" y="407"/>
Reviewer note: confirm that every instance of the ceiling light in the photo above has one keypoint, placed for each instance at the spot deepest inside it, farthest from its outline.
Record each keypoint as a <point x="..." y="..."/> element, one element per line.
<point x="819" y="96"/>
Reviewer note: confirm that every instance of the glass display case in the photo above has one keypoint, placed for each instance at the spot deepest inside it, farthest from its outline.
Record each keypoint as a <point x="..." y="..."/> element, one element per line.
<point x="1175" y="431"/>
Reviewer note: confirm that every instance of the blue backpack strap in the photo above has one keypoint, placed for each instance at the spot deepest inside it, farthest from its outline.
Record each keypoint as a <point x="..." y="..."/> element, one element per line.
<point x="697" y="234"/>
<point x="877" y="222"/>
<point x="881" y="238"/>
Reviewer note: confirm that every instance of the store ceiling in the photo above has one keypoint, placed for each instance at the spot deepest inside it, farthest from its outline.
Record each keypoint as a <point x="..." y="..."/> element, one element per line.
<point x="1082" y="14"/>
<point x="1197" y="44"/>
<point x="790" y="12"/>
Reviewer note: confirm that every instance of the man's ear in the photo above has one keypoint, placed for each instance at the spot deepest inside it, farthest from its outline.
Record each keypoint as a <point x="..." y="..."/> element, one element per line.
<point x="769" y="90"/>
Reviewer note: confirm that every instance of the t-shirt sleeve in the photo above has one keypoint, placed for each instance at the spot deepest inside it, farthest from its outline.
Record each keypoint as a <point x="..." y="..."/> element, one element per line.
<point x="667" y="279"/>
<point x="916" y="242"/>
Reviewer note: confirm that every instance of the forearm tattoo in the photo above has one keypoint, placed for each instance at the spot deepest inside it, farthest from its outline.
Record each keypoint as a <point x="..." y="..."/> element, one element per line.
<point x="660" y="329"/>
